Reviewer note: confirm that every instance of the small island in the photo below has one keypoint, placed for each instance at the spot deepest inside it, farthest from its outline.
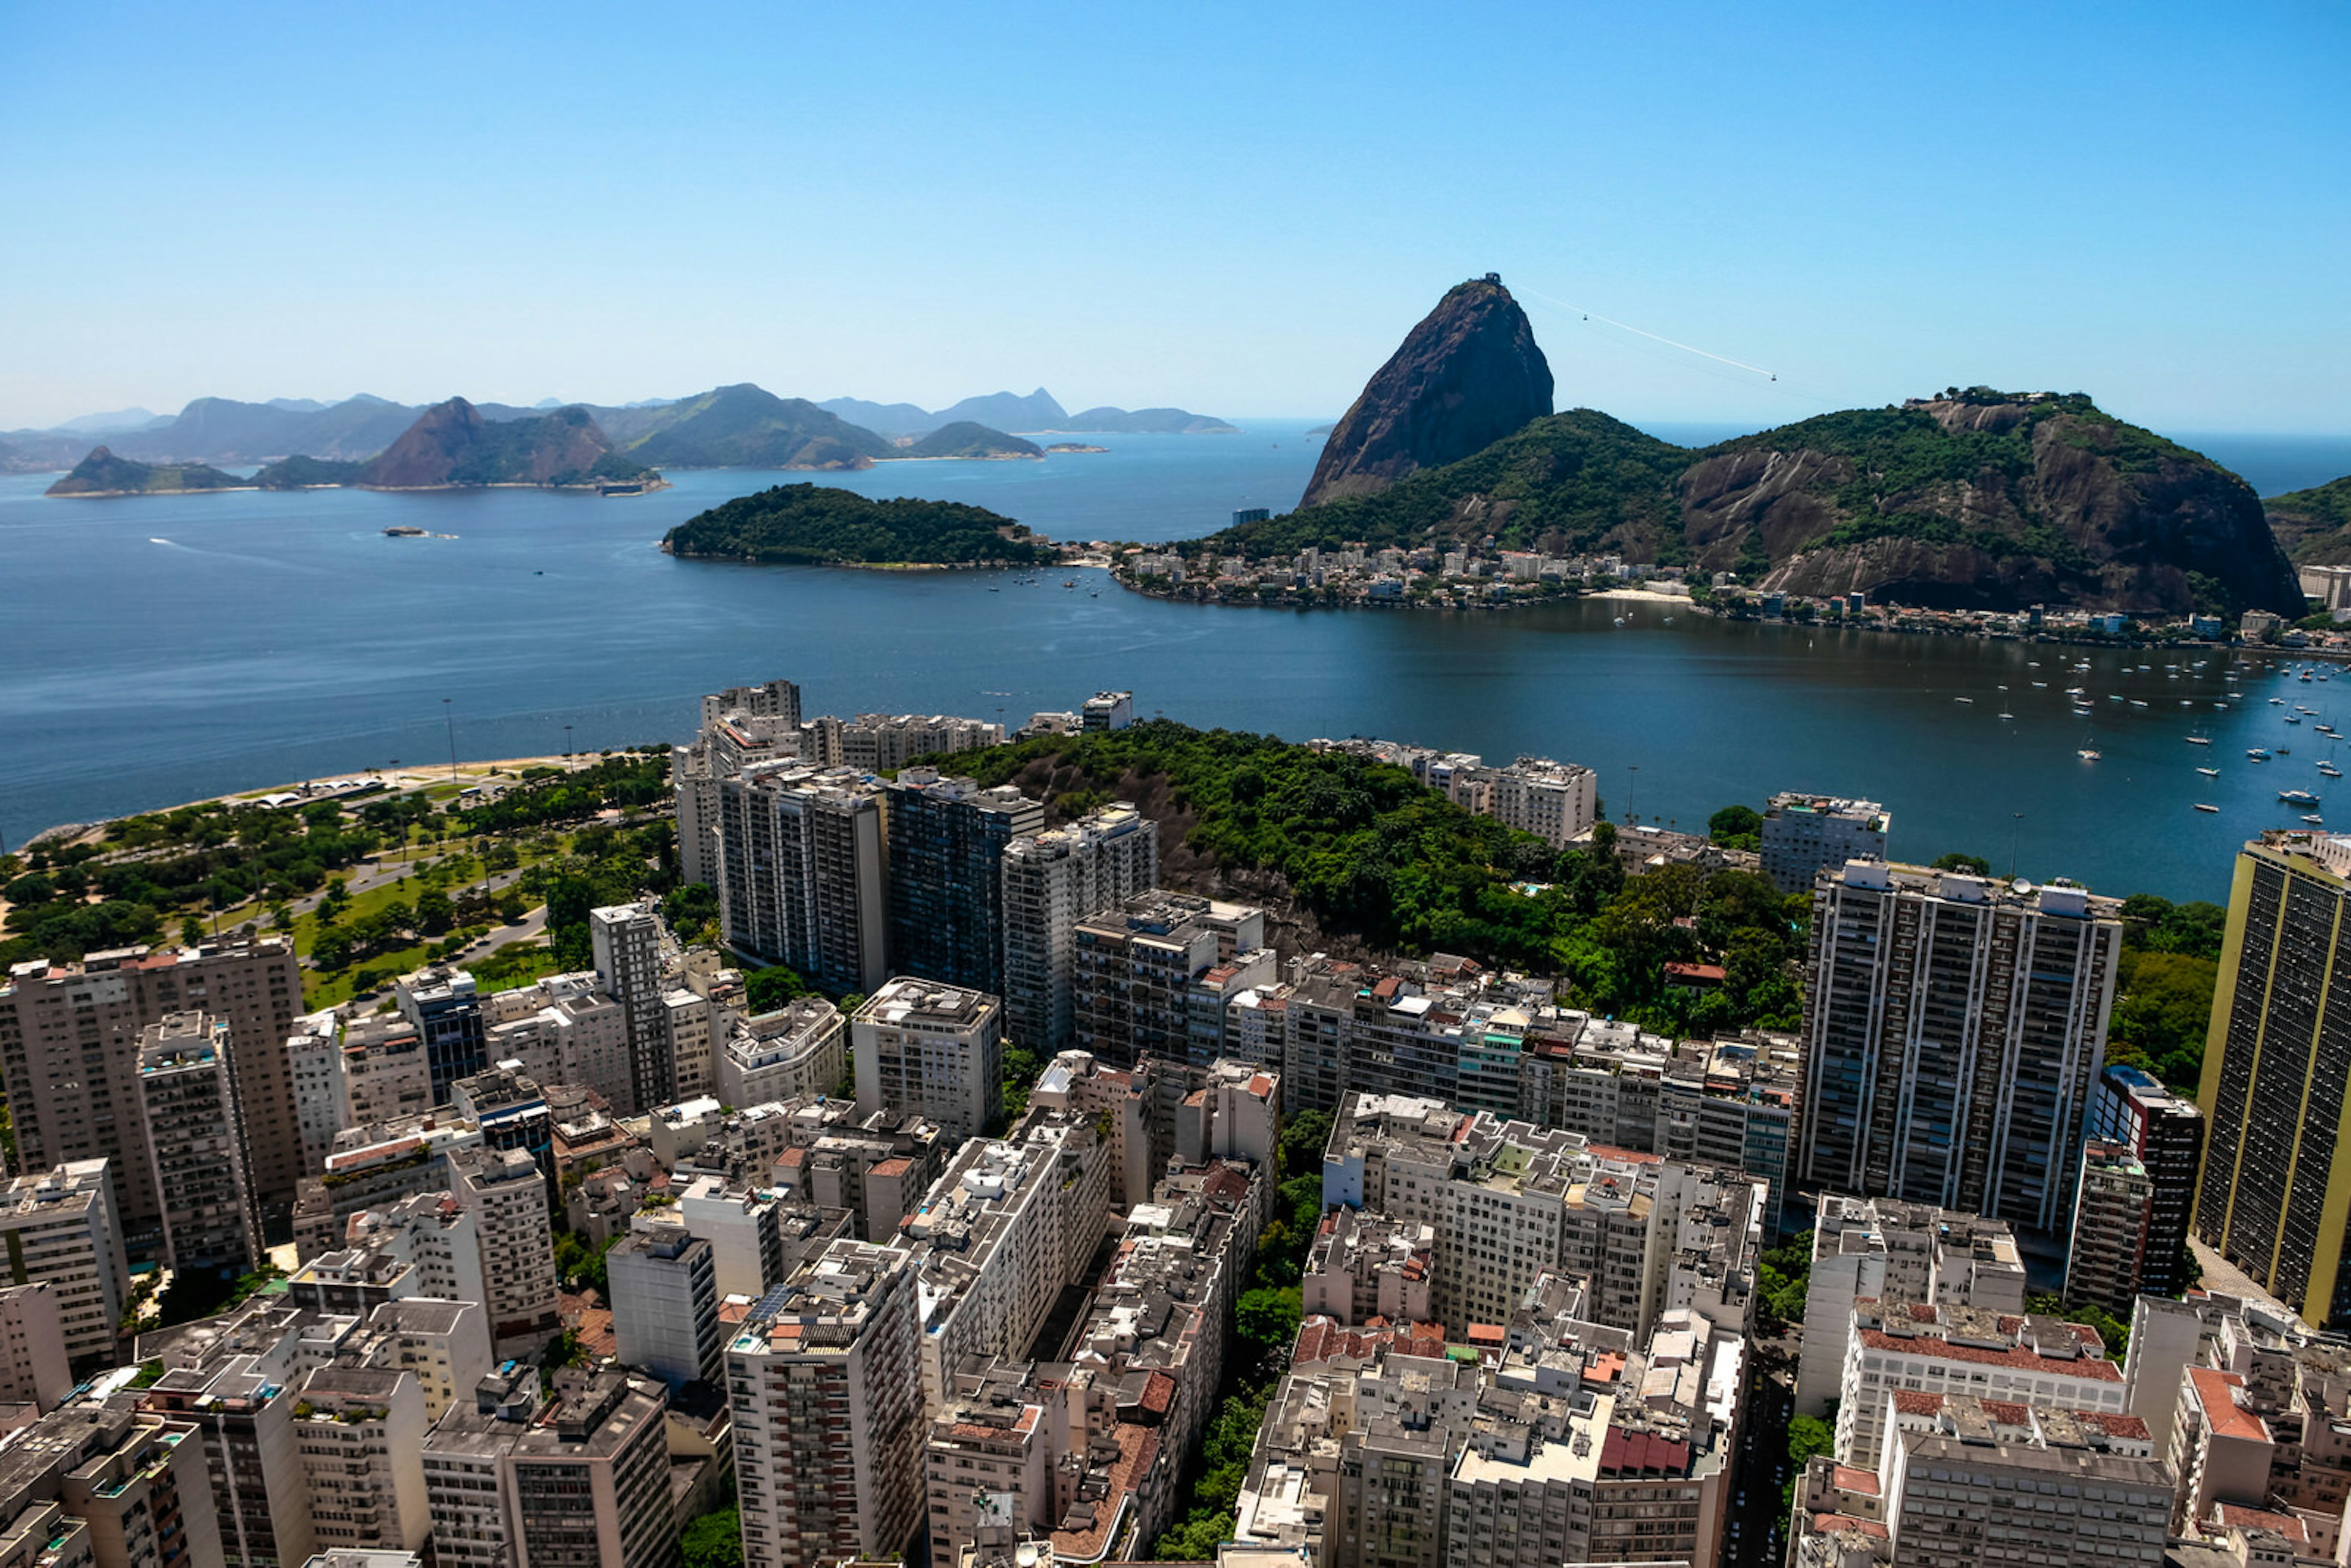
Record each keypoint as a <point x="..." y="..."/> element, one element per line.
<point x="102" y="474"/>
<point x="1073" y="446"/>
<point x="816" y="525"/>
<point x="968" y="438"/>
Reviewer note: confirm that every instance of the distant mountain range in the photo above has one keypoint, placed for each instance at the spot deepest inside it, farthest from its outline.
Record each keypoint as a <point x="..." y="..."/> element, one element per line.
<point x="741" y="425"/>
<point x="449" y="446"/>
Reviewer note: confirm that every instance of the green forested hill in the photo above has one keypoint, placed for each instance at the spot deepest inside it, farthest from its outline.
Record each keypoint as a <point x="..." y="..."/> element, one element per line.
<point x="1973" y="499"/>
<point x="103" y="474"/>
<point x="2314" y="525"/>
<point x="1368" y="854"/>
<point x="815" y="525"/>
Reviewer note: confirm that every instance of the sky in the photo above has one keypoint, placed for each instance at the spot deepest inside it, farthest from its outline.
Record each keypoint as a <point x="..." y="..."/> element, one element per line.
<point x="1237" y="209"/>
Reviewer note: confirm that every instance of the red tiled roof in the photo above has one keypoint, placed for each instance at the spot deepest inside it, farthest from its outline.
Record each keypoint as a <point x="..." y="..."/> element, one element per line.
<point x="2222" y="1412"/>
<point x="2286" y="1524"/>
<point x="1911" y="1402"/>
<point x="1158" y="1393"/>
<point x="1827" y="1524"/>
<point x="2007" y="1412"/>
<point x="1224" y="1181"/>
<point x="1643" y="1453"/>
<point x="1848" y="1479"/>
<point x="899" y="1165"/>
<point x="1487" y="1333"/>
<point x="1634" y="1156"/>
<point x="2085" y="1368"/>
<point x="2114" y="1426"/>
<point x="795" y="1156"/>
<point x="1711" y="974"/>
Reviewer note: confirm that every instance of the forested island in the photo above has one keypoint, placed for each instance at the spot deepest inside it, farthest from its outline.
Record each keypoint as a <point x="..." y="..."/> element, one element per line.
<point x="815" y="525"/>
<point x="103" y="474"/>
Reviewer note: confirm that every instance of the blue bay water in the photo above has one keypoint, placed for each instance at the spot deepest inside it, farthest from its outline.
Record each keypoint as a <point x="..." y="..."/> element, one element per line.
<point x="159" y="649"/>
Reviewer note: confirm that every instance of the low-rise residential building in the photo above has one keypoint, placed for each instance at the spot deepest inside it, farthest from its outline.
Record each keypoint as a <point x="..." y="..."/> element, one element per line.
<point x="796" y="1051"/>
<point x="1895" y="1251"/>
<point x="1900" y="1347"/>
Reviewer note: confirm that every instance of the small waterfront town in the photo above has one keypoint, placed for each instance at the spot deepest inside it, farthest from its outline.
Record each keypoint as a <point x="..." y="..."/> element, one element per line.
<point x="920" y="1179"/>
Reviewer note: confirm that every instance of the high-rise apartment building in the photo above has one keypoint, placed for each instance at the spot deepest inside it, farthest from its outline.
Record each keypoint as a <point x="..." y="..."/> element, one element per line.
<point x="1804" y="835"/>
<point x="1899" y="1347"/>
<point x="1954" y="1027"/>
<point x="2165" y="1131"/>
<point x="69" y="1052"/>
<point x="803" y="874"/>
<point x="1132" y="969"/>
<point x="60" y="1228"/>
<point x="948" y="839"/>
<point x="445" y="1011"/>
<point x="507" y="1196"/>
<point x="194" y="1147"/>
<point x="359" y="1430"/>
<point x="626" y="940"/>
<point x="1051" y="880"/>
<point x="579" y="1479"/>
<point x="828" y="1407"/>
<point x="923" y="1049"/>
<point x="34" y="1368"/>
<point x="110" y="1487"/>
<point x="741" y="726"/>
<point x="665" y="1295"/>
<point x="2277" y="1071"/>
<point x="2113" y="1218"/>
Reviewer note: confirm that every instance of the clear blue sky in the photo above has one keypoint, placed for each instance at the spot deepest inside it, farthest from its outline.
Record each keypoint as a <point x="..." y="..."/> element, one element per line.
<point x="1240" y="209"/>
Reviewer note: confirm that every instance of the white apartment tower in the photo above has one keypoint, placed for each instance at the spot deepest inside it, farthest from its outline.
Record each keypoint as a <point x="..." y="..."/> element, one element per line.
<point x="925" y="1049"/>
<point x="626" y="940"/>
<point x="507" y="1196"/>
<point x="58" y="1227"/>
<point x="1954" y="1027"/>
<point x="1051" y="880"/>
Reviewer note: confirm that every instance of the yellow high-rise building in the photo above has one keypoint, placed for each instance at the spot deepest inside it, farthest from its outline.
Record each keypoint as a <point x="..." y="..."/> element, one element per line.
<point x="2274" y="1196"/>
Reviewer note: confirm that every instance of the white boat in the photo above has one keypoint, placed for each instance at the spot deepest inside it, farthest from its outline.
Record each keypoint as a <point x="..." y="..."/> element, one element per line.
<point x="1969" y="700"/>
<point x="2200" y="741"/>
<point x="2138" y="702"/>
<point x="2209" y="772"/>
<point x="2202" y="807"/>
<point x="2297" y="797"/>
<point x="2256" y="754"/>
<point x="2294" y="718"/>
<point x="2330" y="770"/>
<point x="2313" y="818"/>
<point x="2087" y="754"/>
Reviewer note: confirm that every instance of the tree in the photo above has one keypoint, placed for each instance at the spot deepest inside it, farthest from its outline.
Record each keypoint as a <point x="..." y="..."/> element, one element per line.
<point x="1304" y="1135"/>
<point x="1809" y="1436"/>
<point x="1736" y="828"/>
<point x="715" y="1541"/>
<point x="1957" y="861"/>
<point x="192" y="931"/>
<point x="434" y="913"/>
<point x="766" y="990"/>
<point x="1267" y="1318"/>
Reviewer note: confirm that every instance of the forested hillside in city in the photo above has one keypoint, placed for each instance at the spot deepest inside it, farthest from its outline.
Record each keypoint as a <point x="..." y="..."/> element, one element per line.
<point x="1366" y="853"/>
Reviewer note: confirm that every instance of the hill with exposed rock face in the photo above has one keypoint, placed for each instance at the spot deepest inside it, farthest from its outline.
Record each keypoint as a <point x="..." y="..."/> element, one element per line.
<point x="104" y="474"/>
<point x="2313" y="527"/>
<point x="1467" y="376"/>
<point x="1975" y="499"/>
<point x="451" y="447"/>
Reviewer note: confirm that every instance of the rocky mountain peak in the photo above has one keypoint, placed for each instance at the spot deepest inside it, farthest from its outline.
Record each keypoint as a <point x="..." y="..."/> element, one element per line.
<point x="1468" y="375"/>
